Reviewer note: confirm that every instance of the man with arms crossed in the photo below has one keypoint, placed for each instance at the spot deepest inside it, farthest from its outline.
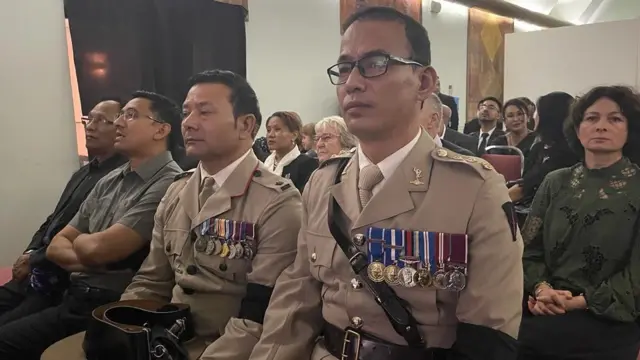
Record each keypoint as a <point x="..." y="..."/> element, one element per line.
<point x="446" y="266"/>
<point x="103" y="245"/>
<point x="38" y="283"/>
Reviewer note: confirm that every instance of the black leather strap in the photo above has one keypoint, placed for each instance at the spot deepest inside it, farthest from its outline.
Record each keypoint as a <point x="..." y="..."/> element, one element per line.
<point x="254" y="304"/>
<point x="401" y="319"/>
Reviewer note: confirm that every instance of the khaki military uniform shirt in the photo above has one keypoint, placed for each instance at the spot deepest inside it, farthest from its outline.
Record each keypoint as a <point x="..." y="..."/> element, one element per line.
<point x="129" y="198"/>
<point x="214" y="286"/>
<point x="449" y="194"/>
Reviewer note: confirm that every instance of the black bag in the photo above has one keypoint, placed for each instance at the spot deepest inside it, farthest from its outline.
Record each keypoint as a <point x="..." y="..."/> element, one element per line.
<point x="138" y="330"/>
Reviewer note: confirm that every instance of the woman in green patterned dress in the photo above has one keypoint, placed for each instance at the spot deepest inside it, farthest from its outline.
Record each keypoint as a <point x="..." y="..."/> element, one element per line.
<point x="582" y="254"/>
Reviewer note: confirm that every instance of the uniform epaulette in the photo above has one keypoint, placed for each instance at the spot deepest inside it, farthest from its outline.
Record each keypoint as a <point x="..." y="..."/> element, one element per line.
<point x="280" y="184"/>
<point x="347" y="154"/>
<point x="183" y="175"/>
<point x="481" y="166"/>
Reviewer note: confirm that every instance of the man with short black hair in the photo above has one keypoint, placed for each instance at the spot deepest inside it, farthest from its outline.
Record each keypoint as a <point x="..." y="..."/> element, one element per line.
<point x="38" y="283"/>
<point x="104" y="244"/>
<point x="489" y="113"/>
<point x="391" y="263"/>
<point x="225" y="231"/>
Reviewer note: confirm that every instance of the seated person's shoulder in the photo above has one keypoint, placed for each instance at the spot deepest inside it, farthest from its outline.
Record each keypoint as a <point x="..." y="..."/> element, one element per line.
<point x="270" y="182"/>
<point x="306" y="161"/>
<point x="179" y="182"/>
<point x="470" y="167"/>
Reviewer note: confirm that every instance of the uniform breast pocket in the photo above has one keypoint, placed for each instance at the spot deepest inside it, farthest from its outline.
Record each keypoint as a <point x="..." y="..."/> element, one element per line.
<point x="321" y="251"/>
<point x="234" y="270"/>
<point x="175" y="241"/>
<point x="121" y="208"/>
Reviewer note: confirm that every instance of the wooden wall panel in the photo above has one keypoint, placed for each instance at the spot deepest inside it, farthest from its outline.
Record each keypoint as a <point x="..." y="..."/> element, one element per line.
<point x="485" y="57"/>
<point x="412" y="8"/>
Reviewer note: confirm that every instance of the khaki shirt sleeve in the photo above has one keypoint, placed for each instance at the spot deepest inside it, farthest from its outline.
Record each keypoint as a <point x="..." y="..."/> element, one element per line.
<point x="155" y="279"/>
<point x="493" y="295"/>
<point x="277" y="231"/>
<point x="294" y="318"/>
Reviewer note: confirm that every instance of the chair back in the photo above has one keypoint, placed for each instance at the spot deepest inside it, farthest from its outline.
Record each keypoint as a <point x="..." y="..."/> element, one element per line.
<point x="507" y="160"/>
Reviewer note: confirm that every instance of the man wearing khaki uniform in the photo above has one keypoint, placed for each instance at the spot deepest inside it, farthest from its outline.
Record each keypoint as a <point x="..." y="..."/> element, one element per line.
<point x="223" y="233"/>
<point x="452" y="257"/>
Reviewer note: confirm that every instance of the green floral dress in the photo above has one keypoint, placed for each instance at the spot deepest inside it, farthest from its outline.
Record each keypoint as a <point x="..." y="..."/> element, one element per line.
<point x="582" y="236"/>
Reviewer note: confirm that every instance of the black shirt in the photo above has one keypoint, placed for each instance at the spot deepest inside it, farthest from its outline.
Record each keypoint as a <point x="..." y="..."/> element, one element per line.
<point x="77" y="189"/>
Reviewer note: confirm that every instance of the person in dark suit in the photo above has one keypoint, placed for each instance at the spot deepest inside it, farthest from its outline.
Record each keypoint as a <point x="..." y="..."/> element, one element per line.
<point x="455" y="137"/>
<point x="552" y="151"/>
<point x="489" y="110"/>
<point x="451" y="103"/>
<point x="433" y="124"/>
<point x="516" y="119"/>
<point x="284" y="140"/>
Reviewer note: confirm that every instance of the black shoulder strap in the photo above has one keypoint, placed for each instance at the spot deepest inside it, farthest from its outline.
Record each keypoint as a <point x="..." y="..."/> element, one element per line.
<point x="403" y="322"/>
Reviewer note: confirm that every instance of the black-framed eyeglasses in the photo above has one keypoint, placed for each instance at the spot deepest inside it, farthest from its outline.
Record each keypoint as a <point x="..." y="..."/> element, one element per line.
<point x="100" y="120"/>
<point x="131" y="114"/>
<point x="369" y="66"/>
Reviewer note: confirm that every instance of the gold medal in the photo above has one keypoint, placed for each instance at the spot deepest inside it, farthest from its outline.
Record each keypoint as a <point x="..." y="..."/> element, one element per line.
<point x="391" y="275"/>
<point x="225" y="250"/>
<point x="375" y="270"/>
<point x="424" y="277"/>
<point x="408" y="277"/>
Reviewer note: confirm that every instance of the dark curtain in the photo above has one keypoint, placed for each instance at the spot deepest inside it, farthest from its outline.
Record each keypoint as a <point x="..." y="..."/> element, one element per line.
<point x="125" y="45"/>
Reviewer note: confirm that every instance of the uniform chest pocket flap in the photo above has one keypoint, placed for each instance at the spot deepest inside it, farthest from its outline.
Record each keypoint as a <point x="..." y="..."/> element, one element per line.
<point x="322" y="251"/>
<point x="175" y="241"/>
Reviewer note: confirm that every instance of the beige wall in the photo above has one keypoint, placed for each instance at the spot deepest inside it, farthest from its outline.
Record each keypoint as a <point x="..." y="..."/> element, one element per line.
<point x="38" y="141"/>
<point x="572" y="59"/>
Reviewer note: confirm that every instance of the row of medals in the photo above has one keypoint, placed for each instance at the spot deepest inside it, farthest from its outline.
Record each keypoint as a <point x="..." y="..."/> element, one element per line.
<point x="224" y="248"/>
<point x="410" y="276"/>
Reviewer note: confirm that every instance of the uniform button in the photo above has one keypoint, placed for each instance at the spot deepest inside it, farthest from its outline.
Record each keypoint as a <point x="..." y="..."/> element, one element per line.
<point x="314" y="257"/>
<point x="359" y="239"/>
<point x="192" y="270"/>
<point x="356" y="284"/>
<point x="188" y="291"/>
<point x="356" y="322"/>
<point x="223" y="267"/>
<point x="167" y="248"/>
<point x="193" y="236"/>
<point x="257" y="173"/>
<point x="278" y="183"/>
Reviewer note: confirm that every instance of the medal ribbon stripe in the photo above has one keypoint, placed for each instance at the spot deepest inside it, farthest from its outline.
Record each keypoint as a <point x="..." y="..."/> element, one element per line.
<point x="408" y="246"/>
<point x="428" y="241"/>
<point x="459" y="251"/>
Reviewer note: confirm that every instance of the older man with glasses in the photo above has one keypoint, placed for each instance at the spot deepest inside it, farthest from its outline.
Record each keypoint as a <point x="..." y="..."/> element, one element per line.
<point x="104" y="244"/>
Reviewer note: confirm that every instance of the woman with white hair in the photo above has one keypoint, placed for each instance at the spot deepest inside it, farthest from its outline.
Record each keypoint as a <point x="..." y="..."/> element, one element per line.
<point x="333" y="138"/>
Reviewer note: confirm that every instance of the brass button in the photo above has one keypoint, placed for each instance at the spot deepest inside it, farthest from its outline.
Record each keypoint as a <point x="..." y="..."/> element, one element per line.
<point x="359" y="239"/>
<point x="356" y="284"/>
<point x="314" y="257"/>
<point x="356" y="322"/>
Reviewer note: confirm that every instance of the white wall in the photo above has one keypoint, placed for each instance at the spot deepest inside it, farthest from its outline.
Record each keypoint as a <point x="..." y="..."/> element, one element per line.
<point x="572" y="59"/>
<point x="290" y="44"/>
<point x="38" y="140"/>
<point x="448" y="35"/>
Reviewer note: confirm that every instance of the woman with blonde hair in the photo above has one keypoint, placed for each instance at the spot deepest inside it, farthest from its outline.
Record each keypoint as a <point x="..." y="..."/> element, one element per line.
<point x="333" y="138"/>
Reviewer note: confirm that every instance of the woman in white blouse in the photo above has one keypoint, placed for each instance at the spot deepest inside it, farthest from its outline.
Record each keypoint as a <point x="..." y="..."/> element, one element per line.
<point x="284" y="141"/>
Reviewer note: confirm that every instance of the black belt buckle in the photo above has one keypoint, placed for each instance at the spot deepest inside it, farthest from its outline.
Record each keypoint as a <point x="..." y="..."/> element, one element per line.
<point x="351" y="345"/>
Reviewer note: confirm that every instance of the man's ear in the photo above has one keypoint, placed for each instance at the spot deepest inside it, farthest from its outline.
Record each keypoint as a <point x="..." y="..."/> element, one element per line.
<point x="427" y="84"/>
<point x="163" y="131"/>
<point x="246" y="124"/>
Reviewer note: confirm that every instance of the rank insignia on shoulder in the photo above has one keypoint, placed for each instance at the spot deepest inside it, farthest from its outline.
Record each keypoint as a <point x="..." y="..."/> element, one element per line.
<point x="231" y="239"/>
<point x="417" y="258"/>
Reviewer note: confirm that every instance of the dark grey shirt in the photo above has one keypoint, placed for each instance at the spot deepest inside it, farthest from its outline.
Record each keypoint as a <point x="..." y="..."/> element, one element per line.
<point x="125" y="197"/>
